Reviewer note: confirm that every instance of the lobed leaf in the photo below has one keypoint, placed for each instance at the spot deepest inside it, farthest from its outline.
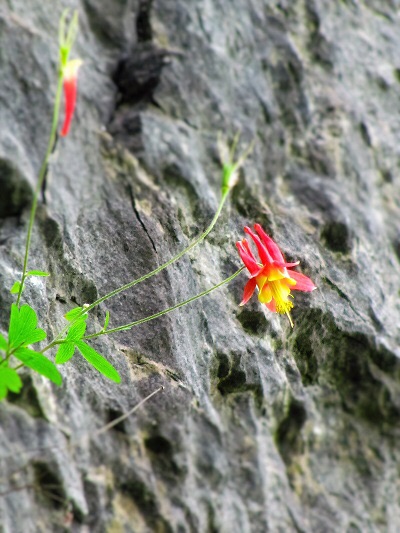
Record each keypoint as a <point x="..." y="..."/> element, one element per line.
<point x="15" y="288"/>
<point x="37" y="273"/>
<point x="3" y="392"/>
<point x="38" y="362"/>
<point x="64" y="352"/>
<point x="3" y="343"/>
<point x="77" y="330"/>
<point x="22" y="321"/>
<point x="23" y="330"/>
<point x="10" y="379"/>
<point x="74" y="314"/>
<point x="98" y="361"/>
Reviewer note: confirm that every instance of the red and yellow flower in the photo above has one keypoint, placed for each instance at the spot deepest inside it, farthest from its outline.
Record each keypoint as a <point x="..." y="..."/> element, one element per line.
<point x="271" y="274"/>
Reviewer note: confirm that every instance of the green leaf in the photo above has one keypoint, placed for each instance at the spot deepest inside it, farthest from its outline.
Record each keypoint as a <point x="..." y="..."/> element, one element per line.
<point x="37" y="273"/>
<point x="10" y="379"/>
<point x="98" y="361"/>
<point x="106" y="321"/>
<point x="74" y="314"/>
<point x="77" y="330"/>
<point x="38" y="362"/>
<point x="3" y="343"/>
<point x="67" y="348"/>
<point x="15" y="288"/>
<point x="65" y="352"/>
<point x="23" y="330"/>
<point x="3" y="392"/>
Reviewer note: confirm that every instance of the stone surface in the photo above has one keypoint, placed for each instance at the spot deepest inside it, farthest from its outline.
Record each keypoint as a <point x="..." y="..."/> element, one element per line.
<point x="259" y="427"/>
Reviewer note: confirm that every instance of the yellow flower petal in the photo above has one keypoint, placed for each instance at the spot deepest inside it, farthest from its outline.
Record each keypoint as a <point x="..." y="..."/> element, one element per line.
<point x="280" y="293"/>
<point x="265" y="296"/>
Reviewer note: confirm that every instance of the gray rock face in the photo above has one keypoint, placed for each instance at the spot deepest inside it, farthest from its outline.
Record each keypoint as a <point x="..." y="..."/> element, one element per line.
<point x="259" y="427"/>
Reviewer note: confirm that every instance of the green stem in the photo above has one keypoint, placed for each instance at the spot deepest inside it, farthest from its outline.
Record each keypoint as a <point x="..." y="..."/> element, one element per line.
<point x="161" y="313"/>
<point x="146" y="276"/>
<point x="52" y="344"/>
<point x="165" y="265"/>
<point x="42" y="174"/>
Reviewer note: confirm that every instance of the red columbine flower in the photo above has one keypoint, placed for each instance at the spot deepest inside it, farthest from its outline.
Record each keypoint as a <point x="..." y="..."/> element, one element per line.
<point x="270" y="274"/>
<point x="70" y="78"/>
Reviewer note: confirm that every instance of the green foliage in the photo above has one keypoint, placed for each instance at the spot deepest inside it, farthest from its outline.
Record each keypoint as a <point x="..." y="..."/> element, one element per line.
<point x="75" y="333"/>
<point x="38" y="362"/>
<point x="37" y="273"/>
<point x="15" y="288"/>
<point x="9" y="380"/>
<point x="3" y="343"/>
<point x="230" y="164"/>
<point x="74" y="340"/>
<point x="23" y="331"/>
<point x="77" y="330"/>
<point x="98" y="361"/>
<point x="65" y="352"/>
<point x="106" y="321"/>
<point x="74" y="314"/>
<point x="23" y="327"/>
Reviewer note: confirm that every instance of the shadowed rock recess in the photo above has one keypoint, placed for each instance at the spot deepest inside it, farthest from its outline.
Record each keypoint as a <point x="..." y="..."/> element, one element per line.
<point x="259" y="427"/>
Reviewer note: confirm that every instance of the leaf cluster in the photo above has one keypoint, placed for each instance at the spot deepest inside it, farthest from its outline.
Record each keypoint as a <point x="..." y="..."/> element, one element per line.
<point x="22" y="333"/>
<point x="74" y="341"/>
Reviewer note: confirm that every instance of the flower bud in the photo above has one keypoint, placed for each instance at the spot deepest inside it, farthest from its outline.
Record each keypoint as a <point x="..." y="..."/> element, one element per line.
<point x="70" y="79"/>
<point x="230" y="167"/>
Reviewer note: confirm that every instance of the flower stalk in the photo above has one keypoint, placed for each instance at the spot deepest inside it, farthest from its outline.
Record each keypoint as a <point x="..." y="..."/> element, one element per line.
<point x="88" y="307"/>
<point x="66" y="40"/>
<point x="41" y="177"/>
<point x="164" y="265"/>
<point x="165" y="311"/>
<point x="230" y="165"/>
<point x="230" y="169"/>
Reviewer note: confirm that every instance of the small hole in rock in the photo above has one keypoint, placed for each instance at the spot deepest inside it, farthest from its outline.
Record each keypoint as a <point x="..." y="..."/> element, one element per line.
<point x="158" y="445"/>
<point x="253" y="322"/>
<point x="49" y="485"/>
<point x="336" y="237"/>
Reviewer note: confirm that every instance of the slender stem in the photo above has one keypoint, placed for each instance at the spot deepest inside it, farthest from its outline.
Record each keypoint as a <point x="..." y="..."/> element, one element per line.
<point x="121" y="418"/>
<point x="42" y="174"/>
<point x="146" y="276"/>
<point x="165" y="311"/>
<point x="165" y="265"/>
<point x="88" y="434"/>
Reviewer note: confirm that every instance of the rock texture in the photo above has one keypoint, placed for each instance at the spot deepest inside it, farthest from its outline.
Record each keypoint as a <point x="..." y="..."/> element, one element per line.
<point x="259" y="427"/>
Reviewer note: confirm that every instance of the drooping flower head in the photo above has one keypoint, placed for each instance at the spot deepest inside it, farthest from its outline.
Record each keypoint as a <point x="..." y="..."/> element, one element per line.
<point x="68" y="68"/>
<point x="270" y="274"/>
<point x="70" y="79"/>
